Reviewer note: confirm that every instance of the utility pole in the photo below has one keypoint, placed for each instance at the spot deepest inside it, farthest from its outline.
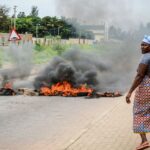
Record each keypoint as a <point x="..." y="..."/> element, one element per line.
<point x="59" y="30"/>
<point x="37" y="30"/>
<point x="15" y="16"/>
<point x="11" y="23"/>
<point x="106" y="31"/>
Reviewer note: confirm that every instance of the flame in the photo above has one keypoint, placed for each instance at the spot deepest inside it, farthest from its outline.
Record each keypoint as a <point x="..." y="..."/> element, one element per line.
<point x="8" y="85"/>
<point x="64" y="89"/>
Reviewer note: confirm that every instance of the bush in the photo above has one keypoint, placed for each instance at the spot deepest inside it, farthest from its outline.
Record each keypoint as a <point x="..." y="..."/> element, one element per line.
<point x="38" y="47"/>
<point x="59" y="48"/>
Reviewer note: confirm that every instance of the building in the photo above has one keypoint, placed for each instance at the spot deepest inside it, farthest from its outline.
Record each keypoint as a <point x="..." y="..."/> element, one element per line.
<point x="100" y="32"/>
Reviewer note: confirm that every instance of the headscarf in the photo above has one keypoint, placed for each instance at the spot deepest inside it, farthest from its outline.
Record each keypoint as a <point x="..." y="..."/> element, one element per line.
<point x="146" y="39"/>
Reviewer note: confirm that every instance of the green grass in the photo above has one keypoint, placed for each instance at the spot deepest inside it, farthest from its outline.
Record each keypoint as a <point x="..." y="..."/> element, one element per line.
<point x="43" y="56"/>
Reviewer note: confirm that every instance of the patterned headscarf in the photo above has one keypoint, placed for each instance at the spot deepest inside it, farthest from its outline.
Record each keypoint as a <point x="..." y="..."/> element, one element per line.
<point x="146" y="39"/>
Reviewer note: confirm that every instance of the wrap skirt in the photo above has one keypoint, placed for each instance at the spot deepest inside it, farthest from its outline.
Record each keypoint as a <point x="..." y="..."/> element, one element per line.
<point x="141" y="107"/>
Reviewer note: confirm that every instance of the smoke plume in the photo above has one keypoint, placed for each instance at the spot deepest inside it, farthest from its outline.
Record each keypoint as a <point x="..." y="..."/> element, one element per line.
<point x="71" y="67"/>
<point x="111" y="70"/>
<point x="20" y="57"/>
<point x="124" y="13"/>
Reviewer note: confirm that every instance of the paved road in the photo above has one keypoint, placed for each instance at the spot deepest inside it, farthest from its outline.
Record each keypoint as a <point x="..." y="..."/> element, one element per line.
<point x="59" y="123"/>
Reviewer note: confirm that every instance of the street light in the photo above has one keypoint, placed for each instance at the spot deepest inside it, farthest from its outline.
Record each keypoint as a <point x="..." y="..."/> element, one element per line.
<point x="37" y="28"/>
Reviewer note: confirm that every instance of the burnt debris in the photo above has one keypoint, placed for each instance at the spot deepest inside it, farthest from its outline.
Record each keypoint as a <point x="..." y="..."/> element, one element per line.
<point x="7" y="92"/>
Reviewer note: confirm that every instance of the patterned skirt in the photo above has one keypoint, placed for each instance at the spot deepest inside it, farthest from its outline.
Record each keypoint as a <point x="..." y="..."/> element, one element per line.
<point x="141" y="108"/>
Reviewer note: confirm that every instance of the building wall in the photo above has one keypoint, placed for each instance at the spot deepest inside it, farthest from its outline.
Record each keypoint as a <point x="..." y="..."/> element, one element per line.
<point x="100" y="31"/>
<point x="44" y="41"/>
<point x="5" y="36"/>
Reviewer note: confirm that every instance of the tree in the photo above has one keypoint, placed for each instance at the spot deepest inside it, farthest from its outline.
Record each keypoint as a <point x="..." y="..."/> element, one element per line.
<point x="21" y="15"/>
<point x="117" y="33"/>
<point x="34" y="11"/>
<point x="28" y="24"/>
<point x="23" y="25"/>
<point x="4" y="20"/>
<point x="46" y="26"/>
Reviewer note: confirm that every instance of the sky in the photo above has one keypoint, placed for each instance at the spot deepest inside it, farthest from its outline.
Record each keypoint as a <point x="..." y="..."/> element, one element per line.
<point x="46" y="7"/>
<point x="124" y="13"/>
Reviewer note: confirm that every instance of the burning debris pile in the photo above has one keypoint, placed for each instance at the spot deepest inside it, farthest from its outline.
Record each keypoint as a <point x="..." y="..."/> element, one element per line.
<point x="28" y="92"/>
<point x="104" y="94"/>
<point x="73" y="74"/>
<point x="69" y="75"/>
<point x="60" y="89"/>
<point x="70" y="92"/>
<point x="7" y="90"/>
<point x="65" y="89"/>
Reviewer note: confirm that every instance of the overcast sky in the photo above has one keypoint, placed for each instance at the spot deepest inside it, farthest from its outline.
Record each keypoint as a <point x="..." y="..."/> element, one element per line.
<point x="46" y="7"/>
<point x="127" y="13"/>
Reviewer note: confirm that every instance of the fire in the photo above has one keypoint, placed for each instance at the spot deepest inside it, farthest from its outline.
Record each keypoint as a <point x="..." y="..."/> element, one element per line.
<point x="64" y="89"/>
<point x="8" y="85"/>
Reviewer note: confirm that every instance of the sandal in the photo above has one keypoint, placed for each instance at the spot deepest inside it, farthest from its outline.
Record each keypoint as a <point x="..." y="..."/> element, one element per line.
<point x="143" y="146"/>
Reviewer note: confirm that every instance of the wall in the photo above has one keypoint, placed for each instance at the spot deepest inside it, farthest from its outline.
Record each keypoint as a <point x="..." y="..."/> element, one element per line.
<point x="5" y="36"/>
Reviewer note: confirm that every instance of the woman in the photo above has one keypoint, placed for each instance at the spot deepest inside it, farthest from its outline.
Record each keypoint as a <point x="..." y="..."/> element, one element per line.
<point x="141" y="108"/>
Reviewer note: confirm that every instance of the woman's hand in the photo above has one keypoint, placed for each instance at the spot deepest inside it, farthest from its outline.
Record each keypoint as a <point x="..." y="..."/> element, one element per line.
<point x="128" y="98"/>
<point x="142" y="69"/>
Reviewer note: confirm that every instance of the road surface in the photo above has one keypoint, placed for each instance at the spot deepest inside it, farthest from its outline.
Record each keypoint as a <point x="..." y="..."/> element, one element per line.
<point x="32" y="123"/>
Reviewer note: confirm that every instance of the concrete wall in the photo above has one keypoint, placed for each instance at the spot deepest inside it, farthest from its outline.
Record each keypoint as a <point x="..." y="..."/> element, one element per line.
<point x="5" y="36"/>
<point x="44" y="41"/>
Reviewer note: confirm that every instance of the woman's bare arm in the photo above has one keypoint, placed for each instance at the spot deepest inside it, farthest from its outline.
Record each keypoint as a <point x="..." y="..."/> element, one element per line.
<point x="142" y="69"/>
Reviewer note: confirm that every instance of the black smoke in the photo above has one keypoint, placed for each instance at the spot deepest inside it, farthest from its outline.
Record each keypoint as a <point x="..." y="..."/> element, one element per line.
<point x="109" y="69"/>
<point x="75" y="67"/>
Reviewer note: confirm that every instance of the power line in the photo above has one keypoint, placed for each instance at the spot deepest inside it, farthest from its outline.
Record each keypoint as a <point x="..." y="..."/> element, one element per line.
<point x="15" y="16"/>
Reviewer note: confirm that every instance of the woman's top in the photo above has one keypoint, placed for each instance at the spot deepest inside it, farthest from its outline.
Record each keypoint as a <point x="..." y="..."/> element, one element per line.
<point x="146" y="60"/>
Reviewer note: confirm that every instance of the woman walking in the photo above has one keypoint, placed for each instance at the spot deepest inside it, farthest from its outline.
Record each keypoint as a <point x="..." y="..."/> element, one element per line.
<point x="141" y="108"/>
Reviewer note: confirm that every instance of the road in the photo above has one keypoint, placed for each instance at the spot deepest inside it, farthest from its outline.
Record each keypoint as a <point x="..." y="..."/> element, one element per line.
<point x="48" y="123"/>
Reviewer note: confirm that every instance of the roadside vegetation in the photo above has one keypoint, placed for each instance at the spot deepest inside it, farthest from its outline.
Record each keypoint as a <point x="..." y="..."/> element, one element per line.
<point x="43" y="54"/>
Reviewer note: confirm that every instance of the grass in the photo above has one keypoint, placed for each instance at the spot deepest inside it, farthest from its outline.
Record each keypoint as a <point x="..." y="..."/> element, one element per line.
<point x="43" y="56"/>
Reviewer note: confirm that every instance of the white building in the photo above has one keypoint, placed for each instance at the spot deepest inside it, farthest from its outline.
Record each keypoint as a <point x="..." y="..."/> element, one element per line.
<point x="100" y="31"/>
